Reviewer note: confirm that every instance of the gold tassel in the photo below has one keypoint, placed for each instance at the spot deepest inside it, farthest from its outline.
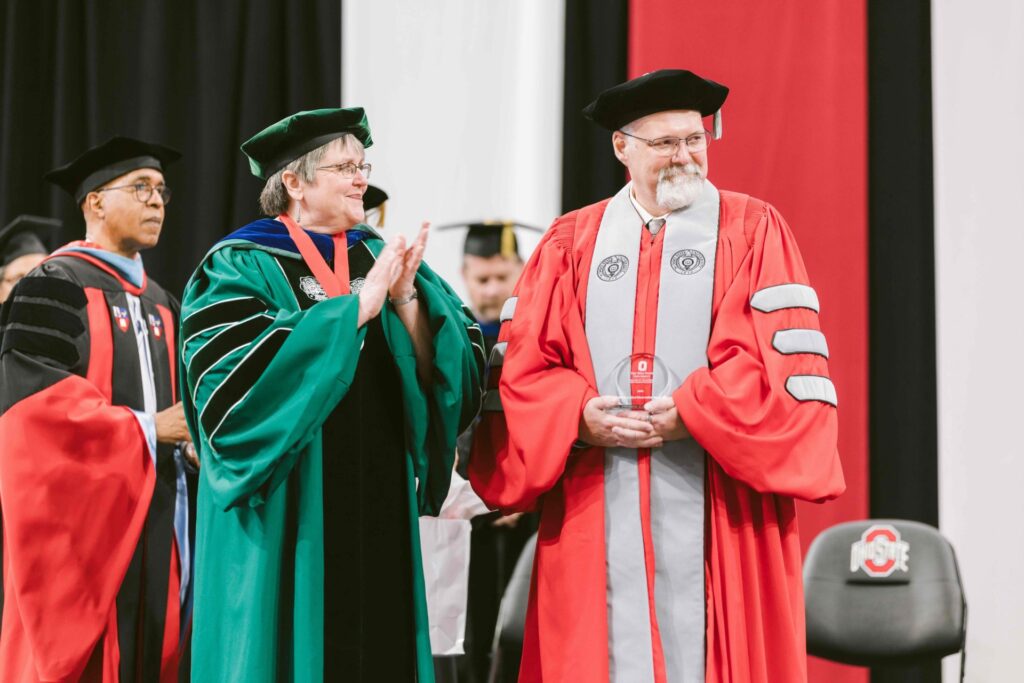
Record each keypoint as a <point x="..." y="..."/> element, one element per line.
<point x="508" y="240"/>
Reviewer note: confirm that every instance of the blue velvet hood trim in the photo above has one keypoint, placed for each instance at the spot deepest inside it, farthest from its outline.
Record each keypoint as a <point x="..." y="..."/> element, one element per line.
<point x="272" y="233"/>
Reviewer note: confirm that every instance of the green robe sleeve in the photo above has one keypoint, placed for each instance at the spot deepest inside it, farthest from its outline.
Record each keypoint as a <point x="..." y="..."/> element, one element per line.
<point x="261" y="376"/>
<point x="436" y="415"/>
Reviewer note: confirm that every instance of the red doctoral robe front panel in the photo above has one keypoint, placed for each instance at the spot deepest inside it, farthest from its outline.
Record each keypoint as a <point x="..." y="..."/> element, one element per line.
<point x="91" y="565"/>
<point x="763" y="410"/>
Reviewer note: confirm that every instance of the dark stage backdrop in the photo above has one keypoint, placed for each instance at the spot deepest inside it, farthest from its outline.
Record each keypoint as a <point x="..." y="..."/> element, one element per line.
<point x="199" y="76"/>
<point x="904" y="421"/>
<point x="595" y="59"/>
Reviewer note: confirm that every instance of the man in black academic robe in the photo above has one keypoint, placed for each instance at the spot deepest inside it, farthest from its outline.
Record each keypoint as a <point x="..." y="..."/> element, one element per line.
<point x="94" y="479"/>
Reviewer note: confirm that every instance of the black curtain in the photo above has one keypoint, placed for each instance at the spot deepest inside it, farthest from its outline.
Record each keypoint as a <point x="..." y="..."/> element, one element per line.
<point x="595" y="59"/>
<point x="196" y="75"/>
<point x="904" y="455"/>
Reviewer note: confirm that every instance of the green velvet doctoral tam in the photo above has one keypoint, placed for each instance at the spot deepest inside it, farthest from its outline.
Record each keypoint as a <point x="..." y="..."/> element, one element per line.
<point x="319" y="449"/>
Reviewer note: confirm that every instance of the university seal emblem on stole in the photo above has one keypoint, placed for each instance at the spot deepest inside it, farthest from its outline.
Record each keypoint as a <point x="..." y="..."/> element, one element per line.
<point x="312" y="288"/>
<point x="613" y="267"/>
<point x="687" y="261"/>
<point x="156" y="325"/>
<point x="121" y="316"/>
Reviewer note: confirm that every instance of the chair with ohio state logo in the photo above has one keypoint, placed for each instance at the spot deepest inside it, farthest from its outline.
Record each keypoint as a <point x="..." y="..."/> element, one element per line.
<point x="883" y="592"/>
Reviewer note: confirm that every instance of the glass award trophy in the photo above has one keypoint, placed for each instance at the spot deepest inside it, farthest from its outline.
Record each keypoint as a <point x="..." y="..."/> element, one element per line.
<point x="639" y="378"/>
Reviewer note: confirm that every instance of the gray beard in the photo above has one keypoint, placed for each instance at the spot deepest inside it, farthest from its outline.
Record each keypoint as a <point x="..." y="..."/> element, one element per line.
<point x="679" y="186"/>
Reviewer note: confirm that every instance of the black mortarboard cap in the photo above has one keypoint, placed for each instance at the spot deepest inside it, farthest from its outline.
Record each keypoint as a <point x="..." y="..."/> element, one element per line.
<point x="373" y="206"/>
<point x="373" y="197"/>
<point x="662" y="90"/>
<point x="280" y="144"/>
<point x="492" y="237"/>
<point x="103" y="163"/>
<point x="27" y="235"/>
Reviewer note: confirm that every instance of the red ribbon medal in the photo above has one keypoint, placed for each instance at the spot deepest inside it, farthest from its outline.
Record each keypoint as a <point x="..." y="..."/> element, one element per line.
<point x="334" y="283"/>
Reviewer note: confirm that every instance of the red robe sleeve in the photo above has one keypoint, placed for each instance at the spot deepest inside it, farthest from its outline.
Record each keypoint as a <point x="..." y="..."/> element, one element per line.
<point x="520" y="448"/>
<point x="739" y="408"/>
<point x="76" y="480"/>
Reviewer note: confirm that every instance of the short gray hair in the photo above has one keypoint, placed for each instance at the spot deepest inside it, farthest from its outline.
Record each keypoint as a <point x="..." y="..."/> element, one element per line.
<point x="274" y="197"/>
<point x="629" y="129"/>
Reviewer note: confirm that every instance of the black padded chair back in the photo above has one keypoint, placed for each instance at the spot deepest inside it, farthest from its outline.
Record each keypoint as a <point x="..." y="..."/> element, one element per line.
<point x="507" y="648"/>
<point x="883" y="592"/>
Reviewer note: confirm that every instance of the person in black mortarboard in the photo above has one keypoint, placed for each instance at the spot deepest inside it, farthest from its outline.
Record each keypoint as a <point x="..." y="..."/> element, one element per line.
<point x="491" y="265"/>
<point x="328" y="373"/>
<point x="93" y="442"/>
<point x="24" y="243"/>
<point x="664" y="398"/>
<point x="374" y="206"/>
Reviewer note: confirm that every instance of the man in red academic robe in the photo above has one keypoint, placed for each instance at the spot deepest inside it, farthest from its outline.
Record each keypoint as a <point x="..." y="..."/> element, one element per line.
<point x="94" y="480"/>
<point x="663" y="397"/>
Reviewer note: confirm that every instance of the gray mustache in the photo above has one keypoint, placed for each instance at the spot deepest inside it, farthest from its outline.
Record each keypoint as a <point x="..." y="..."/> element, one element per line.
<point x="689" y="170"/>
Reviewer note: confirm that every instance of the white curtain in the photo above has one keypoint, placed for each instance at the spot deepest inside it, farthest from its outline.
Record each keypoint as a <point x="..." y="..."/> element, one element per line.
<point x="978" y="82"/>
<point x="464" y="99"/>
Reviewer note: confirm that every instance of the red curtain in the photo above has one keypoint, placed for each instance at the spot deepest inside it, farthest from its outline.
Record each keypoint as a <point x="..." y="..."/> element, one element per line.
<point x="795" y="135"/>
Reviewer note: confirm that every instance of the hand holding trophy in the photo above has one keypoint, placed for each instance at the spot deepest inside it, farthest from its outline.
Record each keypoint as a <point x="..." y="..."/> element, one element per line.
<point x="605" y="423"/>
<point x="644" y="384"/>
<point x="641" y="413"/>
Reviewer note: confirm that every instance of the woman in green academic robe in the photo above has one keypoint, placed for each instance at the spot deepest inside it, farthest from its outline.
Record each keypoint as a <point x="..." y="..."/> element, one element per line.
<point x="326" y="375"/>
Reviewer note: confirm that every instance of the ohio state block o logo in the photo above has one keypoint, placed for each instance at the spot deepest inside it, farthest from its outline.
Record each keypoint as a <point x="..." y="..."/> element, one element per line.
<point x="880" y="552"/>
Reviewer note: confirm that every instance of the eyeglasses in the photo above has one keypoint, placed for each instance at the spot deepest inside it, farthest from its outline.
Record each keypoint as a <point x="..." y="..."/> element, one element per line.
<point x="348" y="169"/>
<point x="668" y="147"/>
<point x="143" y="191"/>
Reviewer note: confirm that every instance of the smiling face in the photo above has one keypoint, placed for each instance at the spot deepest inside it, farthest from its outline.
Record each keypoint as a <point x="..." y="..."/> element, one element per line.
<point x="331" y="202"/>
<point x="118" y="220"/>
<point x="649" y="170"/>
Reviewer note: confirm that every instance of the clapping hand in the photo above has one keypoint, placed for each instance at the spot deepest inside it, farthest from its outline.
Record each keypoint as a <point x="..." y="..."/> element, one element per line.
<point x="404" y="285"/>
<point x="381" y="278"/>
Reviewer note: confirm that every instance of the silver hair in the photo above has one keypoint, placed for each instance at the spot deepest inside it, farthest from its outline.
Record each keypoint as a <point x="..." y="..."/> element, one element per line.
<point x="274" y="197"/>
<point x="629" y="129"/>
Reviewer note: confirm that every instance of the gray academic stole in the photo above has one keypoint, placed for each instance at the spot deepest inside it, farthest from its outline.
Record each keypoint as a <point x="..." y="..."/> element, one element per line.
<point x="686" y="288"/>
